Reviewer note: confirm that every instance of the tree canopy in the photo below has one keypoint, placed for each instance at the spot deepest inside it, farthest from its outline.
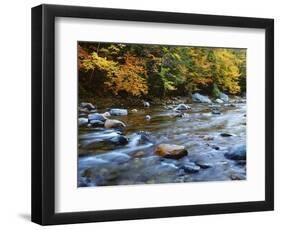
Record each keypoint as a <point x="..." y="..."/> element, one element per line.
<point x="141" y="70"/>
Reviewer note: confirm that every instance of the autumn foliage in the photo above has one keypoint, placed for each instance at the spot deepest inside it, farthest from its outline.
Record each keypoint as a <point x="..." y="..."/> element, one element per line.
<point x="157" y="70"/>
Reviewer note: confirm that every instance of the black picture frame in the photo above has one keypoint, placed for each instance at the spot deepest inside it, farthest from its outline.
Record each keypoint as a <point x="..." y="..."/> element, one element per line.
<point x="43" y="114"/>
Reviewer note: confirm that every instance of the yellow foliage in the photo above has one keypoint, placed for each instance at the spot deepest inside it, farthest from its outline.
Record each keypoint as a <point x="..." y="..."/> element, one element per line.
<point x="130" y="77"/>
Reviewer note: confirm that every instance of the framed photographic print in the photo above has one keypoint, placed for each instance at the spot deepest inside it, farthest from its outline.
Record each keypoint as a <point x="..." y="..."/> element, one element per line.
<point x="142" y="114"/>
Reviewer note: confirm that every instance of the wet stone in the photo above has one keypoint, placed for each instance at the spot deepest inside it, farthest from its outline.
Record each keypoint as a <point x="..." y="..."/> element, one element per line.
<point x="190" y="167"/>
<point x="204" y="164"/>
<point x="236" y="153"/>
<point x="237" y="177"/>
<point x="226" y="134"/>
<point x="118" y="112"/>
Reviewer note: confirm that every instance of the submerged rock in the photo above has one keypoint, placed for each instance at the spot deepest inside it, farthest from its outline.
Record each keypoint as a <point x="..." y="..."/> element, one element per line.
<point x="118" y="112"/>
<point x="82" y="121"/>
<point x="110" y="123"/>
<point x="97" y="116"/>
<point x="208" y="138"/>
<point x="197" y="97"/>
<point x="139" y="154"/>
<point x="237" y="153"/>
<point x="171" y="151"/>
<point x="182" y="107"/>
<point x="134" y="110"/>
<point x="118" y="158"/>
<point x="87" y="173"/>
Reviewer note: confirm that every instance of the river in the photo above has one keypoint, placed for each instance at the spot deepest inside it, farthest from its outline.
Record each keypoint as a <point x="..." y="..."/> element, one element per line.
<point x="206" y="136"/>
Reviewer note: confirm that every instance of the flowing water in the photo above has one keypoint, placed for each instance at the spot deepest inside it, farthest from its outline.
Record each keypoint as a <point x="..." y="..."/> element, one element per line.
<point x="105" y="162"/>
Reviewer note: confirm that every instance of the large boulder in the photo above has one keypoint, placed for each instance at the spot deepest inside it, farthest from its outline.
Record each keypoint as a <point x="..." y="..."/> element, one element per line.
<point x="111" y="124"/>
<point x="223" y="97"/>
<point x="237" y="153"/>
<point x="182" y="107"/>
<point x="118" y="112"/>
<point x="171" y="151"/>
<point x="197" y="97"/>
<point x="97" y="116"/>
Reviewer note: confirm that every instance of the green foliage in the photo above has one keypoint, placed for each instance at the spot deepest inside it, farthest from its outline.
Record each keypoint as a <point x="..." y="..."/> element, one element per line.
<point x="160" y="70"/>
<point x="215" y="92"/>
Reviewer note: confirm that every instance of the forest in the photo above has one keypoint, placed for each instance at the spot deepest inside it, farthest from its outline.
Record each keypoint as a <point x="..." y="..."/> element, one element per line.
<point x="149" y="71"/>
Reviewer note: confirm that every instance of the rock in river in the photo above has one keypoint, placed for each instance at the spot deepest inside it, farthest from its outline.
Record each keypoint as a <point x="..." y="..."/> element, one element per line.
<point x="110" y="123"/>
<point x="106" y="114"/>
<point x="237" y="153"/>
<point x="147" y="117"/>
<point x="118" y="112"/>
<point x="119" y="140"/>
<point x="97" y="116"/>
<point x="87" y="105"/>
<point x="226" y="134"/>
<point x="96" y="123"/>
<point x="143" y="138"/>
<point x="190" y="167"/>
<point x="204" y="164"/>
<point x="171" y="151"/>
<point x="197" y="97"/>
<point x="223" y="97"/>
<point x="219" y="101"/>
<point x="146" y="104"/>
<point x="82" y="121"/>
<point x="182" y="107"/>
<point x="216" y="112"/>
